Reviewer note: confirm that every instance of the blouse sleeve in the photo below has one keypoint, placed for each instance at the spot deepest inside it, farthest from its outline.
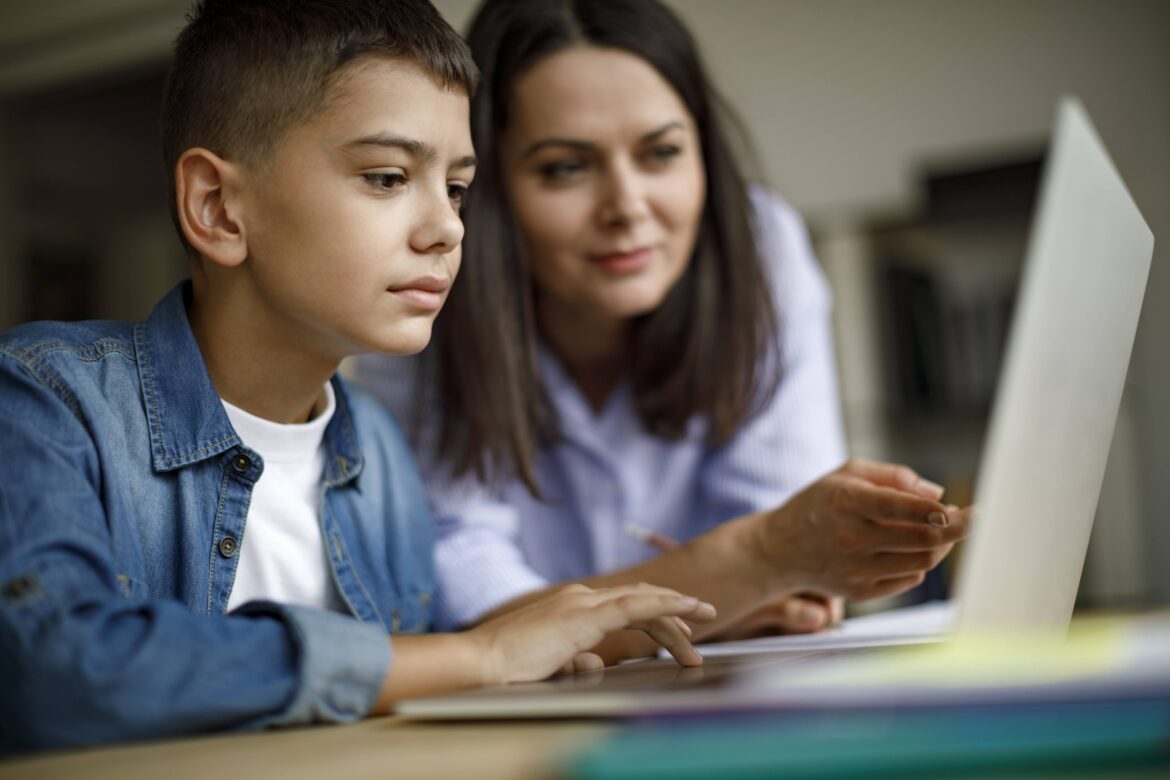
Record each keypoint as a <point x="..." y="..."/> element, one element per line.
<point x="798" y="434"/>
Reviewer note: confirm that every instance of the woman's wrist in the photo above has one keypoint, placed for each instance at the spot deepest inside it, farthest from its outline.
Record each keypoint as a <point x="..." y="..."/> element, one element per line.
<point x="751" y="555"/>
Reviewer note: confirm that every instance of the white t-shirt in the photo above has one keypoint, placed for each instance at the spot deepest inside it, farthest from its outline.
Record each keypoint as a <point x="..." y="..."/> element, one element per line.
<point x="282" y="556"/>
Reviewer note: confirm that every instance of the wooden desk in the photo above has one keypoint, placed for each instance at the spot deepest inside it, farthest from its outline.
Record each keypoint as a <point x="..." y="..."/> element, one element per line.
<point x="374" y="748"/>
<point x="391" y="747"/>
<point x="381" y="748"/>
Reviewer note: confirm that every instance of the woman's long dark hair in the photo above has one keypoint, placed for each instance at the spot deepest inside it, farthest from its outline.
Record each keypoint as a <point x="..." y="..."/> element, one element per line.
<point x="709" y="349"/>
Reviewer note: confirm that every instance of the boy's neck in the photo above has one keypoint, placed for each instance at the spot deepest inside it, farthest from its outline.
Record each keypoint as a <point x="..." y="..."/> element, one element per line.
<point x="253" y="365"/>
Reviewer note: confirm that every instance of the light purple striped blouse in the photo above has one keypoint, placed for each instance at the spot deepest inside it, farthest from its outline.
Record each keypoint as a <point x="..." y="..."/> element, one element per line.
<point x="609" y="473"/>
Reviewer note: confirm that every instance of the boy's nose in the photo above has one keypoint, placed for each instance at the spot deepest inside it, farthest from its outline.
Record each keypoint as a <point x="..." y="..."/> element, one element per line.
<point x="440" y="228"/>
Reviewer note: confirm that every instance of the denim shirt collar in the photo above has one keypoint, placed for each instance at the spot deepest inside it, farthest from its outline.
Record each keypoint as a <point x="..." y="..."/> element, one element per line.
<point x="187" y="420"/>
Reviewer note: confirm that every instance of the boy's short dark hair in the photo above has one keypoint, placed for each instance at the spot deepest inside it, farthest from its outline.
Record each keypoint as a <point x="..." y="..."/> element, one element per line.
<point x="245" y="70"/>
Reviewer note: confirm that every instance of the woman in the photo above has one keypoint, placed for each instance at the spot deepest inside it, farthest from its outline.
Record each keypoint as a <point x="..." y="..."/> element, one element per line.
<point x="638" y="352"/>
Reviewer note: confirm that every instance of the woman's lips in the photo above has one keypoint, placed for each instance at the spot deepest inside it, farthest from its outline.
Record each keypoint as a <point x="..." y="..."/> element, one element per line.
<point x="626" y="262"/>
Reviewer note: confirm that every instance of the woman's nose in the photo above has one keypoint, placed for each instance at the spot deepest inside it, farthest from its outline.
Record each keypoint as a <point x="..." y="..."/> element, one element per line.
<point x="623" y="197"/>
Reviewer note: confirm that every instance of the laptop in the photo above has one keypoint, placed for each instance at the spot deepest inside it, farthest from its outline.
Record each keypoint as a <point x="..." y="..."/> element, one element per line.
<point x="1040" y="474"/>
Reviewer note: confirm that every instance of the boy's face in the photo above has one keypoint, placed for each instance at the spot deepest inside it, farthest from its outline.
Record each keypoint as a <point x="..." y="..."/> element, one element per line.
<point x="352" y="225"/>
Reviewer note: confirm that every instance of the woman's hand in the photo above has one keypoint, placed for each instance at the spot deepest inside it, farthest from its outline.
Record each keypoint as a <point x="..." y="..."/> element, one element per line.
<point x="800" y="613"/>
<point x="863" y="531"/>
<point x="557" y="632"/>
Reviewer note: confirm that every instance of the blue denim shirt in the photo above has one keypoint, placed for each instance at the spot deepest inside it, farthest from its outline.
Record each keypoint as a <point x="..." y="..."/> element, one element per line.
<point x="123" y="496"/>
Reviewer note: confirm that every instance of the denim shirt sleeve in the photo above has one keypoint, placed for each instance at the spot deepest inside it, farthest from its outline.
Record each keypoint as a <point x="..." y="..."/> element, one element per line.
<point x="479" y="563"/>
<point x="83" y="663"/>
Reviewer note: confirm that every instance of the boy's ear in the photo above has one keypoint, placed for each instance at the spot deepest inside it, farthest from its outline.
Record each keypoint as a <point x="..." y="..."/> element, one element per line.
<point x="209" y="207"/>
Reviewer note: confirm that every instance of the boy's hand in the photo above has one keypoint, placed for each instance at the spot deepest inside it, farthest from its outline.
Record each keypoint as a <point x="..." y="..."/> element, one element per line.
<point x="557" y="632"/>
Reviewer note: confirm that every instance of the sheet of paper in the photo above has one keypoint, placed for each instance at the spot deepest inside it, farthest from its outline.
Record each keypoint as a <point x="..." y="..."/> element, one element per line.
<point x="905" y="626"/>
<point x="1099" y="657"/>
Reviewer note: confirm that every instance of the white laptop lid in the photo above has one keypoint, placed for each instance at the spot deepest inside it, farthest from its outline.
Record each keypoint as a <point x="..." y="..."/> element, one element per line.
<point x="1059" y="391"/>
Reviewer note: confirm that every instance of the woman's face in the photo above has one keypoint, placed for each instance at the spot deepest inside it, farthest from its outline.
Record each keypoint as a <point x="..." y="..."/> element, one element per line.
<point x="602" y="163"/>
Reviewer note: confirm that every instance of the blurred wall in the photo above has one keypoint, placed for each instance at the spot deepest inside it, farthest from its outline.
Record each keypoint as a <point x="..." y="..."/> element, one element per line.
<point x="846" y="100"/>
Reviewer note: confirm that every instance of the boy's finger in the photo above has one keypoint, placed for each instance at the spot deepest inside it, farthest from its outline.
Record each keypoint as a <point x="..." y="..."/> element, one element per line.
<point x="586" y="662"/>
<point x="666" y="632"/>
<point x="634" y="589"/>
<point x="623" y="609"/>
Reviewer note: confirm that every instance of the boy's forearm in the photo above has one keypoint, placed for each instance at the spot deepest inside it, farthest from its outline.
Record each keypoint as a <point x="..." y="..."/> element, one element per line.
<point x="429" y="664"/>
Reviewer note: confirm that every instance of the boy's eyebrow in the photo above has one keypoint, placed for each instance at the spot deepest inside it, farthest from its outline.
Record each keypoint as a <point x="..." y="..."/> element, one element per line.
<point x="574" y="143"/>
<point x="415" y="148"/>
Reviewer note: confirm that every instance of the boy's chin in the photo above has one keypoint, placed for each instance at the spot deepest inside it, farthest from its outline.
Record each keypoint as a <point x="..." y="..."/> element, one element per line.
<point x="407" y="339"/>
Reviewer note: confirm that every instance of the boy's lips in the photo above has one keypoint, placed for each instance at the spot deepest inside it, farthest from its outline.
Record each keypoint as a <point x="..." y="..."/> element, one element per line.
<point x="425" y="292"/>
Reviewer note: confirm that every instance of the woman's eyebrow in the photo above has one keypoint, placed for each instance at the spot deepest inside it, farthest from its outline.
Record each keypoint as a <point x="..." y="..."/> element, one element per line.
<point x="584" y="146"/>
<point x="545" y="143"/>
<point x="654" y="135"/>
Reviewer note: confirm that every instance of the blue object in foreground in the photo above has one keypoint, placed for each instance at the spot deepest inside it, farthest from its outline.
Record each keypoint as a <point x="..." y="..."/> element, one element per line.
<point x="1098" y="738"/>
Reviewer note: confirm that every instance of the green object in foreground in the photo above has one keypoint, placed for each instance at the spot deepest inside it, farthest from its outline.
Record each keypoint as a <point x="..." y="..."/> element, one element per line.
<point x="1081" y="739"/>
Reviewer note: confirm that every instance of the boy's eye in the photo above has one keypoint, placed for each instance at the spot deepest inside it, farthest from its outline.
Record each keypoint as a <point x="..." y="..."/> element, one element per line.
<point x="561" y="170"/>
<point x="456" y="191"/>
<point x="385" y="182"/>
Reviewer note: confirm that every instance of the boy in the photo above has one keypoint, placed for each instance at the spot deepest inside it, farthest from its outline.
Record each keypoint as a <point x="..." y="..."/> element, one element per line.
<point x="201" y="526"/>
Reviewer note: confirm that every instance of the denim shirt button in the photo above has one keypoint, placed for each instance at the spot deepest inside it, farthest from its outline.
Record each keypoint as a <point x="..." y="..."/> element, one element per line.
<point x="241" y="463"/>
<point x="395" y="621"/>
<point x="227" y="547"/>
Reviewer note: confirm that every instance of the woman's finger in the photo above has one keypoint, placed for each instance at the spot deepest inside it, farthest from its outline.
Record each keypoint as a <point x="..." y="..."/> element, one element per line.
<point x="890" y="587"/>
<point x="882" y="503"/>
<point x="901" y="564"/>
<point x="836" y="606"/>
<point x="893" y="475"/>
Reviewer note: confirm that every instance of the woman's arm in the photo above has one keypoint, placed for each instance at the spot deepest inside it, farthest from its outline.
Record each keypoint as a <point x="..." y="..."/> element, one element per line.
<point x="863" y="531"/>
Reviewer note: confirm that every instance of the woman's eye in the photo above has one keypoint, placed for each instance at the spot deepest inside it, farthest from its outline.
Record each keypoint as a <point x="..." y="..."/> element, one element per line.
<point x="561" y="170"/>
<point x="663" y="153"/>
<point x="385" y="182"/>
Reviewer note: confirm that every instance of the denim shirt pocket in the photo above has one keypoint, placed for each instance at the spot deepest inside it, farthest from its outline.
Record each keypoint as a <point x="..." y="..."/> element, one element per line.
<point x="412" y="612"/>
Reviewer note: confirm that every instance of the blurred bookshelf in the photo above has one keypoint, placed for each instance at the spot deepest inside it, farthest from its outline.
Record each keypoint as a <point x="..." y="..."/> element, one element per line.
<point x="945" y="282"/>
<point x="86" y="231"/>
<point x="923" y="310"/>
